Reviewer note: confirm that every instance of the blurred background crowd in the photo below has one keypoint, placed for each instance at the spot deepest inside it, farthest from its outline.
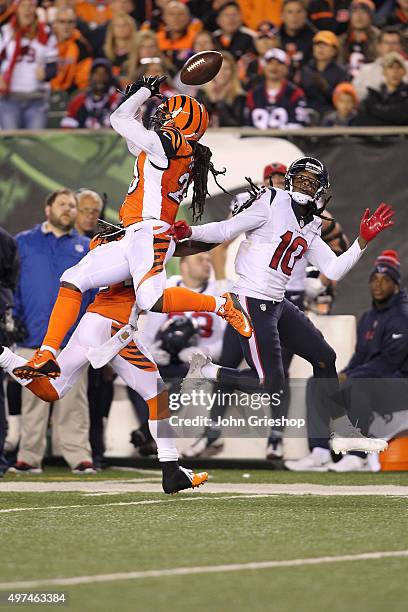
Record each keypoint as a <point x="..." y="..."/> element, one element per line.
<point x="287" y="63"/>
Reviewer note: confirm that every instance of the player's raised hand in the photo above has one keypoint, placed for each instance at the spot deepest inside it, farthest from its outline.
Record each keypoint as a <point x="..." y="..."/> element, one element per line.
<point x="180" y="231"/>
<point x="372" y="225"/>
<point x="153" y="83"/>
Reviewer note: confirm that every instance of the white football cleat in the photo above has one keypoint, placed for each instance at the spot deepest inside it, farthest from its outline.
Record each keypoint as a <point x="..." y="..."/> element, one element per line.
<point x="318" y="461"/>
<point x="195" y="378"/>
<point x="350" y="463"/>
<point x="203" y="448"/>
<point x="345" y="438"/>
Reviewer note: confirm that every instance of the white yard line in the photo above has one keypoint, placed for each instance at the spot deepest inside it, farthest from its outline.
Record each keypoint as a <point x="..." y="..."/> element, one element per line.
<point x="206" y="569"/>
<point x="136" y="486"/>
<point x="143" y="502"/>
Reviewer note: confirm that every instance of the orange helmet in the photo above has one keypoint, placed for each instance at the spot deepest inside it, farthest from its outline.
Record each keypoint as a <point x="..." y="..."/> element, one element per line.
<point x="185" y="114"/>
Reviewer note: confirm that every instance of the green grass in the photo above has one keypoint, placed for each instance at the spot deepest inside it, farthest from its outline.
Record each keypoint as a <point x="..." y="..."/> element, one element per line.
<point x="205" y="529"/>
<point x="221" y="476"/>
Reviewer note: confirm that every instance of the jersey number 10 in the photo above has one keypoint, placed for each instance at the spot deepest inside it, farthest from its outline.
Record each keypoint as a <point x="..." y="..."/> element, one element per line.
<point x="285" y="250"/>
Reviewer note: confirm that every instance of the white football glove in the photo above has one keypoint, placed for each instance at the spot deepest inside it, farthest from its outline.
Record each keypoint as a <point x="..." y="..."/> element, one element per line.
<point x="186" y="354"/>
<point x="314" y="287"/>
<point x="161" y="357"/>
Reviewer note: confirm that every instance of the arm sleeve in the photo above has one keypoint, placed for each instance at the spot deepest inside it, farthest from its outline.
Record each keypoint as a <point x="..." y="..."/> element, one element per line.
<point x="249" y="219"/>
<point x="138" y="138"/>
<point x="320" y="255"/>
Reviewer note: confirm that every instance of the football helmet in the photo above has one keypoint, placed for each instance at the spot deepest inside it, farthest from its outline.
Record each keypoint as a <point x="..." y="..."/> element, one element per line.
<point x="316" y="167"/>
<point x="185" y="114"/>
<point x="178" y="333"/>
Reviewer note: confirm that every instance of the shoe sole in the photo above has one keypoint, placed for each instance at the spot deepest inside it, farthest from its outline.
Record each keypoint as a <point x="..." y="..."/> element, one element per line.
<point x="310" y="469"/>
<point x="340" y="446"/>
<point x="34" y="471"/>
<point x="27" y="373"/>
<point x="238" y="306"/>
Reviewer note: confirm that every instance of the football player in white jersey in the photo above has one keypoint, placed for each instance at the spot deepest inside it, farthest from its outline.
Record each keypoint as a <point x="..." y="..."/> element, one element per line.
<point x="280" y="227"/>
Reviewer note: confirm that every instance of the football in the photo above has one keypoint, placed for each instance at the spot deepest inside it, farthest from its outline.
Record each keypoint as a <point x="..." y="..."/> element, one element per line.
<point x="201" y="68"/>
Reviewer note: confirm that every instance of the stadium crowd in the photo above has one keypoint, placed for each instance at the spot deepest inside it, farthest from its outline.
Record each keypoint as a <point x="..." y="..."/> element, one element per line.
<point x="287" y="63"/>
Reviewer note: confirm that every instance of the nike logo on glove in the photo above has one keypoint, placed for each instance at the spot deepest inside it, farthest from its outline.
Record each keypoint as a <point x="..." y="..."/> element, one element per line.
<point x="396" y="336"/>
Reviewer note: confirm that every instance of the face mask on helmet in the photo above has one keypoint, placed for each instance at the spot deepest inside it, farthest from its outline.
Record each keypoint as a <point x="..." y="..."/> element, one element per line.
<point x="312" y="181"/>
<point x="184" y="113"/>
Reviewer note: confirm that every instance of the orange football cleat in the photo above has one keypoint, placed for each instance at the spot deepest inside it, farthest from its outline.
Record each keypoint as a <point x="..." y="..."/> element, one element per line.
<point x="42" y="363"/>
<point x="235" y="315"/>
<point x="182" y="479"/>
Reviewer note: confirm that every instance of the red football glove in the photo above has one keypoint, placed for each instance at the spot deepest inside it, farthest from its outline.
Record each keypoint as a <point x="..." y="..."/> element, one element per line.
<point x="180" y="231"/>
<point x="379" y="221"/>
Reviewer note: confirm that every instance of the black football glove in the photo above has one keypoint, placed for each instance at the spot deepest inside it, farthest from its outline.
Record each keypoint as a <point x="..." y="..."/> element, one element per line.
<point x="152" y="83"/>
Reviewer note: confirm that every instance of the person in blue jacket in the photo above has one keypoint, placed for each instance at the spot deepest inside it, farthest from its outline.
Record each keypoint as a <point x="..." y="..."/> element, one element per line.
<point x="46" y="251"/>
<point x="376" y="377"/>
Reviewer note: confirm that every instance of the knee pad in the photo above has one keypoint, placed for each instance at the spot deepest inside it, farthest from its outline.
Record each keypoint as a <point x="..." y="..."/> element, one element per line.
<point x="73" y="277"/>
<point x="146" y="297"/>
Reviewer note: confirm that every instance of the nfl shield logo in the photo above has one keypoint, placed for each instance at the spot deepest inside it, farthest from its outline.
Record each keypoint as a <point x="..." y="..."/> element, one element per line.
<point x="263" y="307"/>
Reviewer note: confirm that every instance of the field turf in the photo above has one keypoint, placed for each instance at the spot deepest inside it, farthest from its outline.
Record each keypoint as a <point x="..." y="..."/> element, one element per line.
<point x="92" y="537"/>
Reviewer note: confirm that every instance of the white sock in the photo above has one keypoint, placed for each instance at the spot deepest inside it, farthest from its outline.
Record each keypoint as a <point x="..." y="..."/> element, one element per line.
<point x="164" y="436"/>
<point x="45" y="347"/>
<point x="210" y="370"/>
<point x="9" y="361"/>
<point x="219" y="301"/>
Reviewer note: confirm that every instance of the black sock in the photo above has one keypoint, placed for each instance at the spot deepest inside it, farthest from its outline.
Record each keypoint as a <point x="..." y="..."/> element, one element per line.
<point x="169" y="467"/>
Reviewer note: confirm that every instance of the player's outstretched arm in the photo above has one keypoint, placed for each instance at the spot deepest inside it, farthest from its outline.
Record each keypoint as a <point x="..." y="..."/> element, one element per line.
<point x="321" y="255"/>
<point x="249" y="219"/>
<point x="124" y="121"/>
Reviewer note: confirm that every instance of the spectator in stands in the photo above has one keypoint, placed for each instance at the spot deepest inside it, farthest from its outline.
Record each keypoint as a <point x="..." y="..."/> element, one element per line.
<point x="120" y="47"/>
<point x="267" y="37"/>
<point x="93" y="108"/>
<point x="95" y="13"/>
<point x="231" y="35"/>
<point x="9" y="268"/>
<point x="154" y="22"/>
<point x="255" y="12"/>
<point x="387" y="105"/>
<point x="27" y="61"/>
<point x="399" y="17"/>
<point x="381" y="352"/>
<point x="89" y="210"/>
<point x="74" y="53"/>
<point x="223" y="97"/>
<point x="331" y="15"/>
<point x="371" y="75"/>
<point x="277" y="103"/>
<point x="345" y="102"/>
<point x="358" y="45"/>
<point x="46" y="251"/>
<point x="296" y="33"/>
<point x="320" y="75"/>
<point x="209" y="13"/>
<point x="97" y="34"/>
<point x="203" y="41"/>
<point x="179" y="30"/>
<point x="147" y="48"/>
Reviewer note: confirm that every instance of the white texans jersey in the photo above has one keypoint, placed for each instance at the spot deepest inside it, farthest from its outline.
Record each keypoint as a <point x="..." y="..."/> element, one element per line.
<point x="277" y="237"/>
<point x="297" y="279"/>
<point x="211" y="327"/>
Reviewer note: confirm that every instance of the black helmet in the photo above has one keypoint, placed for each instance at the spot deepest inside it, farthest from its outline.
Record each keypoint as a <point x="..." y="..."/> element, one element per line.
<point x="176" y="334"/>
<point x="312" y="165"/>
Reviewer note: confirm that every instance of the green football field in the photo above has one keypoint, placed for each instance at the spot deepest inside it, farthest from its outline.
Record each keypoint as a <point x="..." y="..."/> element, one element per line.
<point x="260" y="540"/>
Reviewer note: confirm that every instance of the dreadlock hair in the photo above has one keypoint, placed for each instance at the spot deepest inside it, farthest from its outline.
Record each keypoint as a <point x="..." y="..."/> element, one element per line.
<point x="202" y="165"/>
